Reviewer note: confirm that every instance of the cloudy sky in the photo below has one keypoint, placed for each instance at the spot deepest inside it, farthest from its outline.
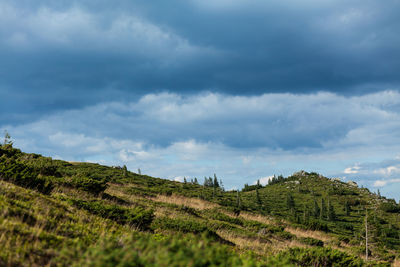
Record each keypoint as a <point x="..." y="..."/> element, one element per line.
<point x="241" y="88"/>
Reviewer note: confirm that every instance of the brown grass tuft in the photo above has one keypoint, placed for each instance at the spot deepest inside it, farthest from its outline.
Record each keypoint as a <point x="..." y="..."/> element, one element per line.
<point x="256" y="217"/>
<point x="309" y="233"/>
<point x="190" y="202"/>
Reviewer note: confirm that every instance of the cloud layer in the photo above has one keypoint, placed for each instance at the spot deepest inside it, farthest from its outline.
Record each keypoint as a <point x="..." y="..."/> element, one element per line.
<point x="73" y="54"/>
<point x="242" y="138"/>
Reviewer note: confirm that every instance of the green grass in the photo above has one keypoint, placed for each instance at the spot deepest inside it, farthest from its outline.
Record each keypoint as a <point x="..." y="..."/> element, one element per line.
<point x="84" y="214"/>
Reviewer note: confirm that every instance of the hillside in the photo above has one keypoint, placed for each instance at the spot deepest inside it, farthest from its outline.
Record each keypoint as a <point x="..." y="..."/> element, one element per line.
<point x="59" y="213"/>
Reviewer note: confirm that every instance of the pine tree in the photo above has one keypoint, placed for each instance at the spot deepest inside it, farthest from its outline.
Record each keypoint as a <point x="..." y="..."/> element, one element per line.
<point x="323" y="214"/>
<point x="215" y="184"/>
<point x="290" y="202"/>
<point x="306" y="214"/>
<point x="237" y="199"/>
<point x="347" y="208"/>
<point x="317" y="210"/>
<point x="125" y="171"/>
<point x="331" y="211"/>
<point x="195" y="181"/>
<point x="7" y="139"/>
<point x="258" y="199"/>
<point x="184" y="180"/>
<point x="139" y="171"/>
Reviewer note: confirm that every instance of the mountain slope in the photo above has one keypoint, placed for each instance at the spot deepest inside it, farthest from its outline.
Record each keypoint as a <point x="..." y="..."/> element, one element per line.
<point x="61" y="213"/>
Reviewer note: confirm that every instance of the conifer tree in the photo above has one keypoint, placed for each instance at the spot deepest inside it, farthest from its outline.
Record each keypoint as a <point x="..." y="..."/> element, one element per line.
<point x="317" y="210"/>
<point x="7" y="139"/>
<point x="195" y="181"/>
<point x="331" y="211"/>
<point x="290" y="202"/>
<point x="347" y="208"/>
<point x="216" y="184"/>
<point x="258" y="199"/>
<point x="323" y="214"/>
<point x="184" y="180"/>
<point x="125" y="171"/>
<point x="306" y="214"/>
<point x="237" y="199"/>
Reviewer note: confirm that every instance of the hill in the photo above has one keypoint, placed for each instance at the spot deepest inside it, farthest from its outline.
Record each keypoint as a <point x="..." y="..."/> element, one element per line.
<point x="59" y="213"/>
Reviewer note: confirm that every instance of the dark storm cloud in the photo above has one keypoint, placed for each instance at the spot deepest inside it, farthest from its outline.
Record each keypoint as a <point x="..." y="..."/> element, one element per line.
<point x="57" y="55"/>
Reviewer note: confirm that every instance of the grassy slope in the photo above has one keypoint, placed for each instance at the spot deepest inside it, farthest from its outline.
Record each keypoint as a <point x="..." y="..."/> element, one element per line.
<point x="61" y="221"/>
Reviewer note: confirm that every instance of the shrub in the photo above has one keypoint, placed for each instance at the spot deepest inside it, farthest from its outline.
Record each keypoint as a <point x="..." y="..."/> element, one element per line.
<point x="319" y="257"/>
<point x="88" y="184"/>
<point x="225" y="218"/>
<point x="178" y="250"/>
<point x="344" y="239"/>
<point x="311" y="241"/>
<point x="20" y="174"/>
<point x="342" y="191"/>
<point x="136" y="216"/>
<point x="184" y="226"/>
<point x="316" y="225"/>
<point x="285" y="235"/>
<point x="189" y="210"/>
<point x="389" y="207"/>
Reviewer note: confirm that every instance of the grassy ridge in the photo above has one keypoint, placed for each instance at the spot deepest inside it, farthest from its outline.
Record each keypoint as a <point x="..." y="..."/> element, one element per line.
<point x="60" y="213"/>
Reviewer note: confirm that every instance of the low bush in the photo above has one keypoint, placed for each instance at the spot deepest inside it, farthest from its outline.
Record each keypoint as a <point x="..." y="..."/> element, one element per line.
<point x="285" y="235"/>
<point x="20" y="174"/>
<point x="344" y="239"/>
<point x="136" y="216"/>
<point x="389" y="207"/>
<point x="311" y="241"/>
<point x="179" y="250"/>
<point x="316" y="225"/>
<point x="319" y="257"/>
<point x="184" y="226"/>
<point x="91" y="185"/>
<point x="225" y="218"/>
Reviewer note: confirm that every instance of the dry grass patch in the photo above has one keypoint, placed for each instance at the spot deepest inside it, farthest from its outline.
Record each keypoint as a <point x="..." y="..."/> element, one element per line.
<point x="256" y="217"/>
<point x="190" y="202"/>
<point x="115" y="190"/>
<point x="396" y="263"/>
<point x="258" y="245"/>
<point x="309" y="233"/>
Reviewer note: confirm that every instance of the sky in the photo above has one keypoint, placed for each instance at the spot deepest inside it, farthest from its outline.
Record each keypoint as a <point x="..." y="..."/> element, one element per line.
<point x="243" y="88"/>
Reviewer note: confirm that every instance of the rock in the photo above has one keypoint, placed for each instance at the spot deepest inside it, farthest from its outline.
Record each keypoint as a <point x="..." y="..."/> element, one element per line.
<point x="352" y="183"/>
<point x="262" y="231"/>
<point x="300" y="173"/>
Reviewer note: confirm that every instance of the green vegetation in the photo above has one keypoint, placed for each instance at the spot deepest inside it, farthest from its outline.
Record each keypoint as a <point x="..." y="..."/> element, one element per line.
<point x="61" y="213"/>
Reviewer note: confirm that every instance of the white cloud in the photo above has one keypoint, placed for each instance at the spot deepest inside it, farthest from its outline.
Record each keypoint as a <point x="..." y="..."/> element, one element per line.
<point x="387" y="171"/>
<point x="179" y="179"/>
<point x="264" y="180"/>
<point x="239" y="138"/>
<point x="75" y="28"/>
<point x="380" y="183"/>
<point x="351" y="170"/>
